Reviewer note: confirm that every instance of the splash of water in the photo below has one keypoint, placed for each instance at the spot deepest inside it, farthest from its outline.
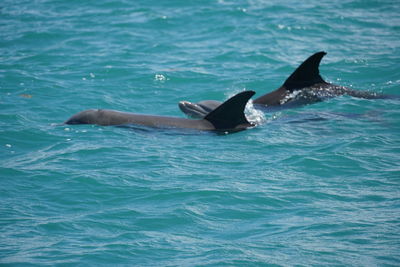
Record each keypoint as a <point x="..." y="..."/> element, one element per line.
<point x="254" y="115"/>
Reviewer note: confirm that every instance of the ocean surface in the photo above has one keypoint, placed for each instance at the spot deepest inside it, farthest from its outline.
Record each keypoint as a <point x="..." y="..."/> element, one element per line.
<point x="317" y="185"/>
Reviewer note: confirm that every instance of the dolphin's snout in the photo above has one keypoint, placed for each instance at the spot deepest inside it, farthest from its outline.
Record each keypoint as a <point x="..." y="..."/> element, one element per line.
<point x="192" y="110"/>
<point x="183" y="104"/>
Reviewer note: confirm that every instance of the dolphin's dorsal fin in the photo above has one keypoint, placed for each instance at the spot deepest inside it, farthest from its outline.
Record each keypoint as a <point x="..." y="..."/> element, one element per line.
<point x="230" y="113"/>
<point x="306" y="74"/>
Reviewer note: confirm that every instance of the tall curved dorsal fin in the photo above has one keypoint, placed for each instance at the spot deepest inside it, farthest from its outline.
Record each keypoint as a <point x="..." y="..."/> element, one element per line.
<point x="306" y="74"/>
<point x="230" y="113"/>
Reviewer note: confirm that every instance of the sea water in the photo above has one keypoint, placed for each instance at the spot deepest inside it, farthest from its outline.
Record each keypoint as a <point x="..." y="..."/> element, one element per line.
<point x="309" y="186"/>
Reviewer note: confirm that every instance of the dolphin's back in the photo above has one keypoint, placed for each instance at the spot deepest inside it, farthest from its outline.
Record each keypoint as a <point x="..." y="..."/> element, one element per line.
<point x="105" y="117"/>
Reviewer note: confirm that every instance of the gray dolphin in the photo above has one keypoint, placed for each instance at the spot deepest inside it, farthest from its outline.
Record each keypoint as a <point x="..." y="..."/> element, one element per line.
<point x="227" y="117"/>
<point x="304" y="86"/>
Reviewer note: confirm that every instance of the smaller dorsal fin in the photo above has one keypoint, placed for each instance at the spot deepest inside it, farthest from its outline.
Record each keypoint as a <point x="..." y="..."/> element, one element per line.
<point x="230" y="113"/>
<point x="306" y="74"/>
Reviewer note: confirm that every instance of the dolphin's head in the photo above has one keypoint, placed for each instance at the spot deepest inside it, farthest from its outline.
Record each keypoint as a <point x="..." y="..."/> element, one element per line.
<point x="84" y="117"/>
<point x="198" y="110"/>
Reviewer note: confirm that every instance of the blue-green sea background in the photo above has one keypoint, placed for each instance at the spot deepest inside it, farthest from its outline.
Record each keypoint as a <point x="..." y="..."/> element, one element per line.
<point x="315" y="185"/>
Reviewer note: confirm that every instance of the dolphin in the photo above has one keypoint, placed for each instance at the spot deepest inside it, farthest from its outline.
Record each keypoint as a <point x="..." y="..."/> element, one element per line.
<point x="304" y="86"/>
<point x="227" y="117"/>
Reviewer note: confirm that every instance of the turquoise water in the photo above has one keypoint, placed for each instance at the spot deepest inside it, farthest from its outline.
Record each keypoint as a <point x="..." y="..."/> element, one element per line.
<point x="310" y="186"/>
